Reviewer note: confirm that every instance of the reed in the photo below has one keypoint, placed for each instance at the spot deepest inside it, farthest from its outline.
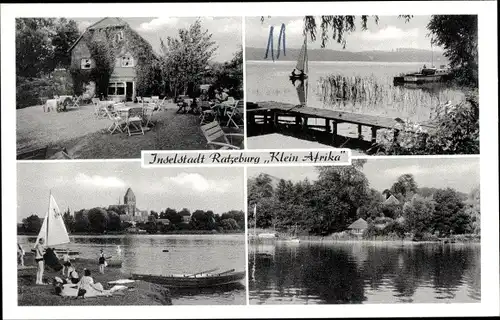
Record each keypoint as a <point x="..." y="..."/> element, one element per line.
<point x="372" y="94"/>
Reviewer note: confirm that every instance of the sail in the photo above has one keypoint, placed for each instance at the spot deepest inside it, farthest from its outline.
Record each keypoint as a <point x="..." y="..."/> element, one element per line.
<point x="54" y="224"/>
<point x="301" y="61"/>
<point x="301" y="92"/>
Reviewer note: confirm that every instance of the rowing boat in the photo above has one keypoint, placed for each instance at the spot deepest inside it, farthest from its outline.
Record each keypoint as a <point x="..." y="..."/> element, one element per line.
<point x="199" y="280"/>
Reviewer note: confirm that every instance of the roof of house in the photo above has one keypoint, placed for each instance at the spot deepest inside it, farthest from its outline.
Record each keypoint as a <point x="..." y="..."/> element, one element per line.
<point x="359" y="224"/>
<point x="391" y="200"/>
<point x="101" y="24"/>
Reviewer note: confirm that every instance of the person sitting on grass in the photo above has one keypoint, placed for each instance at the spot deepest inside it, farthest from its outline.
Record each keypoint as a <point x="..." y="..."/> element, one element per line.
<point x="86" y="285"/>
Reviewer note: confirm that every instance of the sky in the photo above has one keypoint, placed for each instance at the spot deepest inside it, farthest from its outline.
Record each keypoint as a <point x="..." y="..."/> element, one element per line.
<point x="85" y="185"/>
<point x="461" y="174"/>
<point x="390" y="33"/>
<point x="227" y="31"/>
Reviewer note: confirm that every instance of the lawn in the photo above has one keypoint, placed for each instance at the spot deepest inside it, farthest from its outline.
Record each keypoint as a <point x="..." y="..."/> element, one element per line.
<point x="85" y="137"/>
<point x="138" y="293"/>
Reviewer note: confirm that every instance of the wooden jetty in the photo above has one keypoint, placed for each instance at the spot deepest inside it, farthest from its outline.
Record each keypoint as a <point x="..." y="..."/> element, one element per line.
<point x="273" y="115"/>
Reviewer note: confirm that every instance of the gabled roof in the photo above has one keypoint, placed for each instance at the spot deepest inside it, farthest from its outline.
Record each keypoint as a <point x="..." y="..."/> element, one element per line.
<point x="359" y="224"/>
<point x="391" y="200"/>
<point x="101" y="24"/>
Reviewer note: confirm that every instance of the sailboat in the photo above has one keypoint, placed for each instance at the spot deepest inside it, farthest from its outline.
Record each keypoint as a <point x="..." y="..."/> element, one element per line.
<point x="53" y="229"/>
<point x="300" y="73"/>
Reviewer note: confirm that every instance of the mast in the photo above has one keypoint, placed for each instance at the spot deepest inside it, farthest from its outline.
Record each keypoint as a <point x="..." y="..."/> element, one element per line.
<point x="48" y="215"/>
<point x="255" y="216"/>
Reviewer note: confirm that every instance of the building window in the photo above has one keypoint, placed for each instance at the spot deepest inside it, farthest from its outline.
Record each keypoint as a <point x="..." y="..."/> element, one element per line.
<point x="119" y="36"/>
<point x="86" y="63"/>
<point x="116" y="89"/>
<point x="127" y="61"/>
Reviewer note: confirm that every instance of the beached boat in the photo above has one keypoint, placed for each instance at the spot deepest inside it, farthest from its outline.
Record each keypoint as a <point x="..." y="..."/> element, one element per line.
<point x="198" y="280"/>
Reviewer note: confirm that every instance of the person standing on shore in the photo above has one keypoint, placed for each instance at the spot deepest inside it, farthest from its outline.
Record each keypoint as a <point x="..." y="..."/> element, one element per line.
<point x="66" y="262"/>
<point x="102" y="261"/>
<point x="39" y="250"/>
<point x="20" y="255"/>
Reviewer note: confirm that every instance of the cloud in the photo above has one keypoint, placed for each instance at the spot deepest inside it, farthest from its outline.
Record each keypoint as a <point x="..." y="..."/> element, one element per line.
<point x="99" y="181"/>
<point x="197" y="182"/>
<point x="389" y="33"/>
<point x="446" y="169"/>
<point x="214" y="25"/>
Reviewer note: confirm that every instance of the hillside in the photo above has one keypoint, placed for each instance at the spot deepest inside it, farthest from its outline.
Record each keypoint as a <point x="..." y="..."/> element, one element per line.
<point x="401" y="55"/>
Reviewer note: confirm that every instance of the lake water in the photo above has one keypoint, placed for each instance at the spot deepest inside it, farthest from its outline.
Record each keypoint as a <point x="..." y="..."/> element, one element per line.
<point x="342" y="273"/>
<point x="187" y="254"/>
<point x="268" y="81"/>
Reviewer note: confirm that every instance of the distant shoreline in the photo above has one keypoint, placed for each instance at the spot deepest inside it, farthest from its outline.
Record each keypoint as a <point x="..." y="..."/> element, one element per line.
<point x="142" y="234"/>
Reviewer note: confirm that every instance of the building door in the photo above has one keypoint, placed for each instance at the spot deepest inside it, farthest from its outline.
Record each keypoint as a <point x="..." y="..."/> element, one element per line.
<point x="129" y="91"/>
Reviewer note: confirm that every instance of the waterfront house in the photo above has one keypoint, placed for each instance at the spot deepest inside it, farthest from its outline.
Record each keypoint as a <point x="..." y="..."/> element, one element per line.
<point x="391" y="200"/>
<point x="358" y="227"/>
<point x="128" y="46"/>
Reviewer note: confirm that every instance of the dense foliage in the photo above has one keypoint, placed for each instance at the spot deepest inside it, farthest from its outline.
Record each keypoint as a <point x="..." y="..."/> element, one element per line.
<point x="101" y="220"/>
<point x="41" y="46"/>
<point x="456" y="132"/>
<point x="458" y="35"/>
<point x="184" y="59"/>
<point x="341" y="195"/>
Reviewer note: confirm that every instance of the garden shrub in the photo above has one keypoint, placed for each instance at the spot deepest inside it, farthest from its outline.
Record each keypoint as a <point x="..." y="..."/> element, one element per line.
<point x="30" y="91"/>
<point x="457" y="132"/>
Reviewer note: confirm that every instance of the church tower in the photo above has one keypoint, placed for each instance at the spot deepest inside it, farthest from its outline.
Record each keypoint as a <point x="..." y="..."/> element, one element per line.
<point x="129" y="201"/>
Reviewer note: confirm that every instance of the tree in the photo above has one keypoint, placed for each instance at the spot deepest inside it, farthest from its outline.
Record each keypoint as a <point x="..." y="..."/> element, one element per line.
<point x="336" y="27"/>
<point x="417" y="213"/>
<point x="32" y="224"/>
<point x="229" y="75"/>
<point x="65" y="34"/>
<point x="69" y="221"/>
<point x="98" y="220"/>
<point x="339" y="191"/>
<point x="229" y="224"/>
<point x="114" y="221"/>
<point x="202" y="220"/>
<point x="118" y="209"/>
<point x="457" y="34"/>
<point x="449" y="216"/>
<point x="405" y="186"/>
<point x="34" y="52"/>
<point x="172" y="215"/>
<point x="154" y="214"/>
<point x="82" y="221"/>
<point x="236" y="215"/>
<point x="184" y="59"/>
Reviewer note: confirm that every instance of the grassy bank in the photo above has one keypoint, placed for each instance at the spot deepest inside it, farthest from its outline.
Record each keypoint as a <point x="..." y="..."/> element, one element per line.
<point x="138" y="293"/>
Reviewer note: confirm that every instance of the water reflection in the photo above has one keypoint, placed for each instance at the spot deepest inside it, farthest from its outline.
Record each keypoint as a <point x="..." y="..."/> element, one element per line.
<point x="364" y="273"/>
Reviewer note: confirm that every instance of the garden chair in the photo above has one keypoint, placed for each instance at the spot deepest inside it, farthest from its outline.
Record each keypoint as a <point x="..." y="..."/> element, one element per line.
<point x="218" y="138"/>
<point x="98" y="112"/>
<point x="134" y="121"/>
<point x="207" y="113"/>
<point x="118" y="121"/>
<point x="76" y="102"/>
<point x="235" y="112"/>
<point x="155" y="99"/>
<point x="148" y="112"/>
<point x="161" y="104"/>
